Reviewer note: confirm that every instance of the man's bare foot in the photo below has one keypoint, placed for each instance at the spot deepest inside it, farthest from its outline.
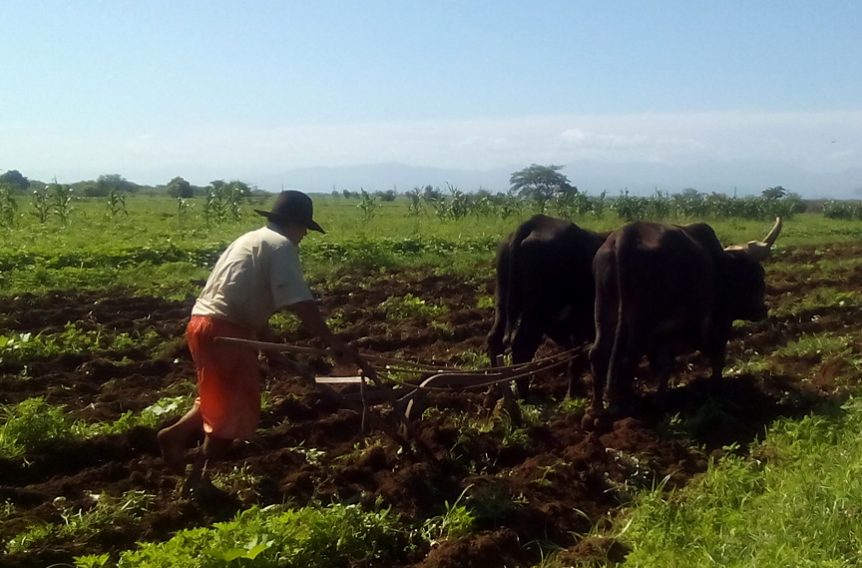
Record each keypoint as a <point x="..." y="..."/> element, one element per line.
<point x="173" y="452"/>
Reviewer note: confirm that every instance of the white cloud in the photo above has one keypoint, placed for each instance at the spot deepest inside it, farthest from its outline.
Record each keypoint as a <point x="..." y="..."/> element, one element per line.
<point x="803" y="140"/>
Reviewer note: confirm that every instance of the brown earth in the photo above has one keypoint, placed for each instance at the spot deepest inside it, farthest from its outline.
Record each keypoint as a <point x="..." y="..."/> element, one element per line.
<point x="553" y="488"/>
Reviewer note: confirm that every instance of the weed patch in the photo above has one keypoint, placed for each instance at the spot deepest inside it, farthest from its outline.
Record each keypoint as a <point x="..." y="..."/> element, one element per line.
<point x="334" y="536"/>
<point x="410" y="306"/>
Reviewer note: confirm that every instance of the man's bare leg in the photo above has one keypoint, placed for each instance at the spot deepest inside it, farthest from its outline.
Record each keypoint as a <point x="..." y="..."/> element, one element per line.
<point x="213" y="450"/>
<point x="174" y="438"/>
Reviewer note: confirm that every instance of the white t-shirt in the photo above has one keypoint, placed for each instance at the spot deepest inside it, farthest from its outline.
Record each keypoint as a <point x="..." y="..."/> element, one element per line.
<point x="258" y="274"/>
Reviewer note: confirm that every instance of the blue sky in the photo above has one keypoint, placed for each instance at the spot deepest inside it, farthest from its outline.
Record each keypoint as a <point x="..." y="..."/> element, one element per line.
<point x="695" y="92"/>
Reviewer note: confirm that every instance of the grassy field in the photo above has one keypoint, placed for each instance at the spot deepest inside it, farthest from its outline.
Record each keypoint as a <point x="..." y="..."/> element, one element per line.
<point x="160" y="247"/>
<point x="760" y="472"/>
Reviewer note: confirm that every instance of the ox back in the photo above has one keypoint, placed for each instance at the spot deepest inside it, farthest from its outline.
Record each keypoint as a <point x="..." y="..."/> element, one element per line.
<point x="663" y="290"/>
<point x="545" y="287"/>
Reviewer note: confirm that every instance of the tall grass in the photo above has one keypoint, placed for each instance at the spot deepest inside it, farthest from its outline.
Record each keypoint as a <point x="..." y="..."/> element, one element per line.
<point x="796" y="502"/>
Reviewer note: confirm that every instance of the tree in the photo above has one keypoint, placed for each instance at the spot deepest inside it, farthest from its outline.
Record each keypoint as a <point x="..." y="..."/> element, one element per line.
<point x="178" y="187"/>
<point x="431" y="193"/>
<point x="776" y="192"/>
<point x="541" y="184"/>
<point x="388" y="195"/>
<point x="90" y="188"/>
<point x="14" y="180"/>
<point x="240" y="187"/>
<point x="107" y="183"/>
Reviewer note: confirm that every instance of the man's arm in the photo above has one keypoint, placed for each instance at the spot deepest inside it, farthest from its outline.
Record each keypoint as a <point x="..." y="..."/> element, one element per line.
<point x="310" y="316"/>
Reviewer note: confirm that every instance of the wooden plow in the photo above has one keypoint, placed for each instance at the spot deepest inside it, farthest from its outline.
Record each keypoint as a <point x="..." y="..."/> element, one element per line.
<point x="383" y="384"/>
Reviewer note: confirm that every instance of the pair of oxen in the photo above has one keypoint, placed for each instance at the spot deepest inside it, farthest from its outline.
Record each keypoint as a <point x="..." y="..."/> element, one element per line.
<point x="645" y="289"/>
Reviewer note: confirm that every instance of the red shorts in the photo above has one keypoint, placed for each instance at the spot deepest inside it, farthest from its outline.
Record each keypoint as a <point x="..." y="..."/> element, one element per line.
<point x="228" y="378"/>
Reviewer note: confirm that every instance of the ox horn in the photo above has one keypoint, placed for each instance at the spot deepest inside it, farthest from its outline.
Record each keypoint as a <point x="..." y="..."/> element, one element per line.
<point x="760" y="249"/>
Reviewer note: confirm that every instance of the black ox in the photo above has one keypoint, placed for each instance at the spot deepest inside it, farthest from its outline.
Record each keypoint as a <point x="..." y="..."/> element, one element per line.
<point x="662" y="290"/>
<point x="544" y="288"/>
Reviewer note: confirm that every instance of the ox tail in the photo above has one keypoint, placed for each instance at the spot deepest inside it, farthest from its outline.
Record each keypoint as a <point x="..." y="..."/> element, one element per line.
<point x="498" y="336"/>
<point x="507" y="296"/>
<point x="513" y="294"/>
<point x="618" y="363"/>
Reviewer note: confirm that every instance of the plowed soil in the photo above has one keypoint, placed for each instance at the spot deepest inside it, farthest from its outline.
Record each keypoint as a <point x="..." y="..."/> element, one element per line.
<point x="553" y="488"/>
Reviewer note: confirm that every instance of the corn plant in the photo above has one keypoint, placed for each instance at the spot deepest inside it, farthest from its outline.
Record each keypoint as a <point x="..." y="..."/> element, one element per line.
<point x="454" y="206"/>
<point x="842" y="209"/>
<point x="42" y="204"/>
<point x="62" y="201"/>
<point x="183" y="207"/>
<point x="569" y="204"/>
<point x="8" y="208"/>
<point x="214" y="206"/>
<point x="367" y="205"/>
<point x="598" y="204"/>
<point x="509" y="205"/>
<point x="116" y="204"/>
<point x="629" y="207"/>
<point x="414" y="208"/>
<point x="482" y="205"/>
<point x="223" y="201"/>
<point x="233" y="196"/>
<point x="459" y="202"/>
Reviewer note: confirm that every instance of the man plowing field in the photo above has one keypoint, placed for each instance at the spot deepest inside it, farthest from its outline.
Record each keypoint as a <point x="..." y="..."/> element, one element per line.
<point x="257" y="275"/>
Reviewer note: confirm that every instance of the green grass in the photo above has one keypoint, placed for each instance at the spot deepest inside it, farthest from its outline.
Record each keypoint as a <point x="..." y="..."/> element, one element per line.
<point x="455" y="522"/>
<point x="410" y="306"/>
<point x="79" y="525"/>
<point x="33" y="425"/>
<point x="308" y="537"/>
<point x="73" y="340"/>
<point x="150" y="417"/>
<point x="817" y="301"/>
<point x="36" y="425"/>
<point x="796" y="502"/>
<point x="816" y="347"/>
<point x="152" y="251"/>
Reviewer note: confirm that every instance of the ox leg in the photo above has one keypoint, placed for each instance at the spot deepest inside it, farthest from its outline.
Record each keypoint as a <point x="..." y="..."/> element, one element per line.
<point x="494" y="341"/>
<point x="596" y="419"/>
<point x="661" y="367"/>
<point x="717" y="359"/>
<point x="494" y="348"/>
<point x="716" y="349"/>
<point x="566" y="340"/>
<point x="661" y="364"/>
<point x="600" y="356"/>
<point x="577" y="368"/>
<point x="625" y="354"/>
<point x="525" y="343"/>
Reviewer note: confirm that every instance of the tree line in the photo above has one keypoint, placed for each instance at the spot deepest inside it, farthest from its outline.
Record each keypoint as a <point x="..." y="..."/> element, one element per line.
<point x="14" y="182"/>
<point x="541" y="188"/>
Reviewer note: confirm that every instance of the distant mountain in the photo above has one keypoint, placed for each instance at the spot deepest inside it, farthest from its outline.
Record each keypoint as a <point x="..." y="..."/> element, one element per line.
<point x="745" y="178"/>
